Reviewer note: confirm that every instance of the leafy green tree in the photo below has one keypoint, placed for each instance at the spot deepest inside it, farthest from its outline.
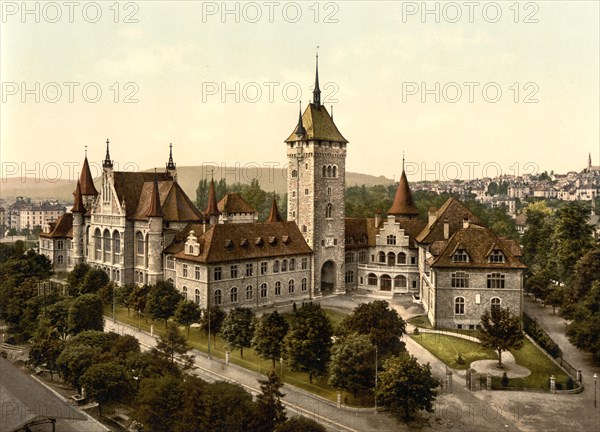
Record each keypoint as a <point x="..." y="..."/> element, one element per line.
<point x="352" y="364"/>
<point x="202" y="194"/>
<point x="238" y="329"/>
<point x="536" y="239"/>
<point x="382" y="324"/>
<point x="138" y="298"/>
<point x="58" y="316"/>
<point x="74" y="360"/>
<point x="150" y="364"/>
<point x="158" y="403"/>
<point x="124" y="297"/>
<point x="583" y="331"/>
<point x="406" y="387"/>
<point x="187" y="313"/>
<point x="300" y="424"/>
<point x="193" y="405"/>
<point x="212" y="319"/>
<point x="85" y="313"/>
<point x="555" y="297"/>
<point x="271" y="411"/>
<point x="76" y="276"/>
<point x="500" y="330"/>
<point x="308" y="343"/>
<point x="174" y="342"/>
<point x="125" y="346"/>
<point x="47" y="346"/>
<point x="269" y="333"/>
<point x="93" y="281"/>
<point x="106" y="382"/>
<point x="228" y="408"/>
<point x="587" y="271"/>
<point x="162" y="300"/>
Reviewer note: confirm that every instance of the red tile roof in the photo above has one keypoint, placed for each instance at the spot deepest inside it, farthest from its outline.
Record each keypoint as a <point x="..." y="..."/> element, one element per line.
<point x="174" y="204"/>
<point x="212" y="207"/>
<point x="78" y="206"/>
<point x="274" y="215"/>
<point x="61" y="227"/>
<point x="86" y="180"/>
<point x="454" y="212"/>
<point x="403" y="204"/>
<point x="234" y="203"/>
<point x="154" y="210"/>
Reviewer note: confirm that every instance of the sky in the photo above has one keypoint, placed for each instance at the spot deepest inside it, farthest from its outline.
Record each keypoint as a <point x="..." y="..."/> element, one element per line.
<point x="463" y="89"/>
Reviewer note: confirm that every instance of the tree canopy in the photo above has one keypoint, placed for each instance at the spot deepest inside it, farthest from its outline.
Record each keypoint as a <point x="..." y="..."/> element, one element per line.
<point x="269" y="333"/>
<point x="500" y="330"/>
<point x="237" y="329"/>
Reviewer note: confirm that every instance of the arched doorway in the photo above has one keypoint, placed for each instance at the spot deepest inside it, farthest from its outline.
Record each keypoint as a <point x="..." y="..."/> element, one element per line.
<point x="328" y="277"/>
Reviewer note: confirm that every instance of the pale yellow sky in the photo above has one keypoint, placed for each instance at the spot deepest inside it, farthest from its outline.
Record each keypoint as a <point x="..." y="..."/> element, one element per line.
<point x="222" y="85"/>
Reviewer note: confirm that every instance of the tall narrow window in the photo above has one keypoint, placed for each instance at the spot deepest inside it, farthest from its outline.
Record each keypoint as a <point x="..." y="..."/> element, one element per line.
<point x="328" y="210"/>
<point x="459" y="306"/>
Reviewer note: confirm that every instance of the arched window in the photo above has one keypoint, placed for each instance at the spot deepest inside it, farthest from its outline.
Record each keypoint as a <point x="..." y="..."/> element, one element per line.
<point x="349" y="276"/>
<point x="218" y="297"/>
<point x="234" y="295"/>
<point x="400" y="281"/>
<point x="334" y="171"/>
<point x="304" y="285"/>
<point x="277" y="288"/>
<point x="117" y="242"/>
<point x="324" y="171"/>
<point x="495" y="302"/>
<point x="391" y="259"/>
<point x="328" y="170"/>
<point x="184" y="293"/>
<point x="284" y="265"/>
<point x="98" y="243"/>
<point x="372" y="279"/>
<point x="60" y="260"/>
<point x="401" y="258"/>
<point x="107" y="245"/>
<point x="386" y="283"/>
<point x="197" y="296"/>
<point x="381" y="257"/>
<point x="191" y="249"/>
<point x="328" y="209"/>
<point x="140" y="243"/>
<point x="276" y="266"/>
<point x="459" y="306"/>
<point x="249" y="292"/>
<point x="291" y="286"/>
<point x="294" y="173"/>
<point x="292" y="264"/>
<point x="263" y="290"/>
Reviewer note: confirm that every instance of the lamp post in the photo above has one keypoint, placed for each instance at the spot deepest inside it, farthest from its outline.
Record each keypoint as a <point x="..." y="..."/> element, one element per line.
<point x="208" y="310"/>
<point x="595" y="382"/>
<point x="281" y="367"/>
<point x="114" y="305"/>
<point x="375" y="390"/>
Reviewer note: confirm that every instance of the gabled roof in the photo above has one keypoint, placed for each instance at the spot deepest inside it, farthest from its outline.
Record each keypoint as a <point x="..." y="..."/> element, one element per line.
<point x="357" y="227"/>
<point x="25" y="400"/>
<point x="234" y="203"/>
<point x="154" y="209"/>
<point x="274" y="215"/>
<point x="61" y="227"/>
<point x="86" y="180"/>
<point x="129" y="186"/>
<point x="478" y="242"/>
<point x="318" y="125"/>
<point x="174" y="204"/>
<point x="403" y="204"/>
<point x="237" y="242"/>
<point x="454" y="212"/>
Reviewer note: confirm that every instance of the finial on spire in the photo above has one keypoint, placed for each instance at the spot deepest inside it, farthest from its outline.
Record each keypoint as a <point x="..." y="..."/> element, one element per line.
<point x="331" y="112"/>
<point x="402" y="160"/>
<point x="107" y="163"/>
<point x="317" y="90"/>
<point x="171" y="165"/>
<point x="86" y="150"/>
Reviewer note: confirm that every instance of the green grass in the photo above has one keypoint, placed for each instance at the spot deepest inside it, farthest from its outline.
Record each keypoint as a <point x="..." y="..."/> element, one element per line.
<point x="447" y="349"/>
<point x="420" y="321"/>
<point x="251" y="360"/>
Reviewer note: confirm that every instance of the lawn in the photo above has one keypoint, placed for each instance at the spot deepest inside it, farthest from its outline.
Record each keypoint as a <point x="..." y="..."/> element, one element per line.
<point x="420" y="321"/>
<point x="251" y="360"/>
<point x="447" y="349"/>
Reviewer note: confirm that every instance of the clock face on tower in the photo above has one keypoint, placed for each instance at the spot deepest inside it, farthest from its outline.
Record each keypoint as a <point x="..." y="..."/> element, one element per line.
<point x="328" y="241"/>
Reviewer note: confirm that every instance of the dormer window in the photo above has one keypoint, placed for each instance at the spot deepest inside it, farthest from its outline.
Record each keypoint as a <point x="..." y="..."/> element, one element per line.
<point x="244" y="242"/>
<point x="259" y="241"/>
<point x="496" y="256"/>
<point x="228" y="244"/>
<point x="285" y="239"/>
<point x="192" y="247"/>
<point x="460" y="255"/>
<point x="272" y="240"/>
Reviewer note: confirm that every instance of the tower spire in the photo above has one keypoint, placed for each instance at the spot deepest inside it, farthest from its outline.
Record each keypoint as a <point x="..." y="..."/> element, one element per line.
<point x="300" y="130"/>
<point x="107" y="163"/>
<point x="317" y="90"/>
<point x="212" y="209"/>
<point x="274" y="215"/>
<point x="155" y="210"/>
<point x="170" y="164"/>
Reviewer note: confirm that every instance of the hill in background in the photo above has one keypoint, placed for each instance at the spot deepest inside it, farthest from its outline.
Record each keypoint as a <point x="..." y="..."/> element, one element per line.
<point x="270" y="179"/>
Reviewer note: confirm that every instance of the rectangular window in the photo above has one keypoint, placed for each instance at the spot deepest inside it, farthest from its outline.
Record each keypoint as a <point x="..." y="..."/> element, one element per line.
<point x="306" y="191"/>
<point x="413" y="260"/>
<point x="233" y="273"/>
<point x="362" y="257"/>
<point x="263" y="268"/>
<point x="349" y="258"/>
<point x="460" y="280"/>
<point x="495" y="280"/>
<point x="304" y="263"/>
<point x="249" y="269"/>
<point x="217" y="273"/>
<point x="197" y="272"/>
<point x="185" y="270"/>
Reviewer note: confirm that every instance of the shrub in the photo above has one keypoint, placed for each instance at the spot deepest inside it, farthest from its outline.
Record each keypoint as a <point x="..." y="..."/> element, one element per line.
<point x="416" y="330"/>
<point x="461" y="361"/>
<point x="504" y="381"/>
<point x="570" y="384"/>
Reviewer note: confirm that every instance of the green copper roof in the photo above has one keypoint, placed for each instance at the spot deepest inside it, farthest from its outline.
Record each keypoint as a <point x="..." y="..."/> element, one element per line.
<point x="319" y="126"/>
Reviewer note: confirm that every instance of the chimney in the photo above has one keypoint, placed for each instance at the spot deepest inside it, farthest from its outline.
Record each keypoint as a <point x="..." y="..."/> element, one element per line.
<point x="466" y="221"/>
<point x="377" y="217"/>
<point x="432" y="216"/>
<point x="446" y="229"/>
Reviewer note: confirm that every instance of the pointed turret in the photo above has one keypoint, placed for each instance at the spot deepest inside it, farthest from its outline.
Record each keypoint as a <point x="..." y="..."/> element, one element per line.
<point x="212" y="208"/>
<point x="78" y="206"/>
<point x="107" y="162"/>
<point x="155" y="210"/>
<point x="86" y="181"/>
<point x="403" y="205"/>
<point x="300" y="130"/>
<point x="317" y="90"/>
<point x="170" y="164"/>
<point x="274" y="215"/>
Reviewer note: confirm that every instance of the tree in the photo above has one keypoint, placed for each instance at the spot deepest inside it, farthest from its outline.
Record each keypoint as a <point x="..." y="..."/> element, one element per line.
<point x="187" y="313"/>
<point x="587" y="271"/>
<point x="74" y="360"/>
<point x="536" y="239"/>
<point x="76" y="276"/>
<point x="269" y="333"/>
<point x="271" y="411"/>
<point x="138" y="297"/>
<point x="202" y="194"/>
<point x="105" y="382"/>
<point x="158" y="403"/>
<point x="47" y="346"/>
<point x="211" y="320"/>
<point x="406" y="387"/>
<point x="583" y="331"/>
<point x="382" y="324"/>
<point x="238" y="328"/>
<point x="93" y="281"/>
<point x="162" y="300"/>
<point x="555" y="296"/>
<point x="300" y="424"/>
<point x="352" y="364"/>
<point x="174" y="342"/>
<point x="124" y="297"/>
<point x="228" y="408"/>
<point x="500" y="330"/>
<point x="85" y="313"/>
<point x="58" y="316"/>
<point x="308" y="342"/>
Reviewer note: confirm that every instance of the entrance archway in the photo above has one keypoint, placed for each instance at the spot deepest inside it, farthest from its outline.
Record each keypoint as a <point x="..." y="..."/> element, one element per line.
<point x="328" y="277"/>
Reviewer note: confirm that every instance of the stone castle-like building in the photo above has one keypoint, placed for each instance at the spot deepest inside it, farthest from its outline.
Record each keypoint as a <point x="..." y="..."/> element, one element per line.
<point x="141" y="228"/>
